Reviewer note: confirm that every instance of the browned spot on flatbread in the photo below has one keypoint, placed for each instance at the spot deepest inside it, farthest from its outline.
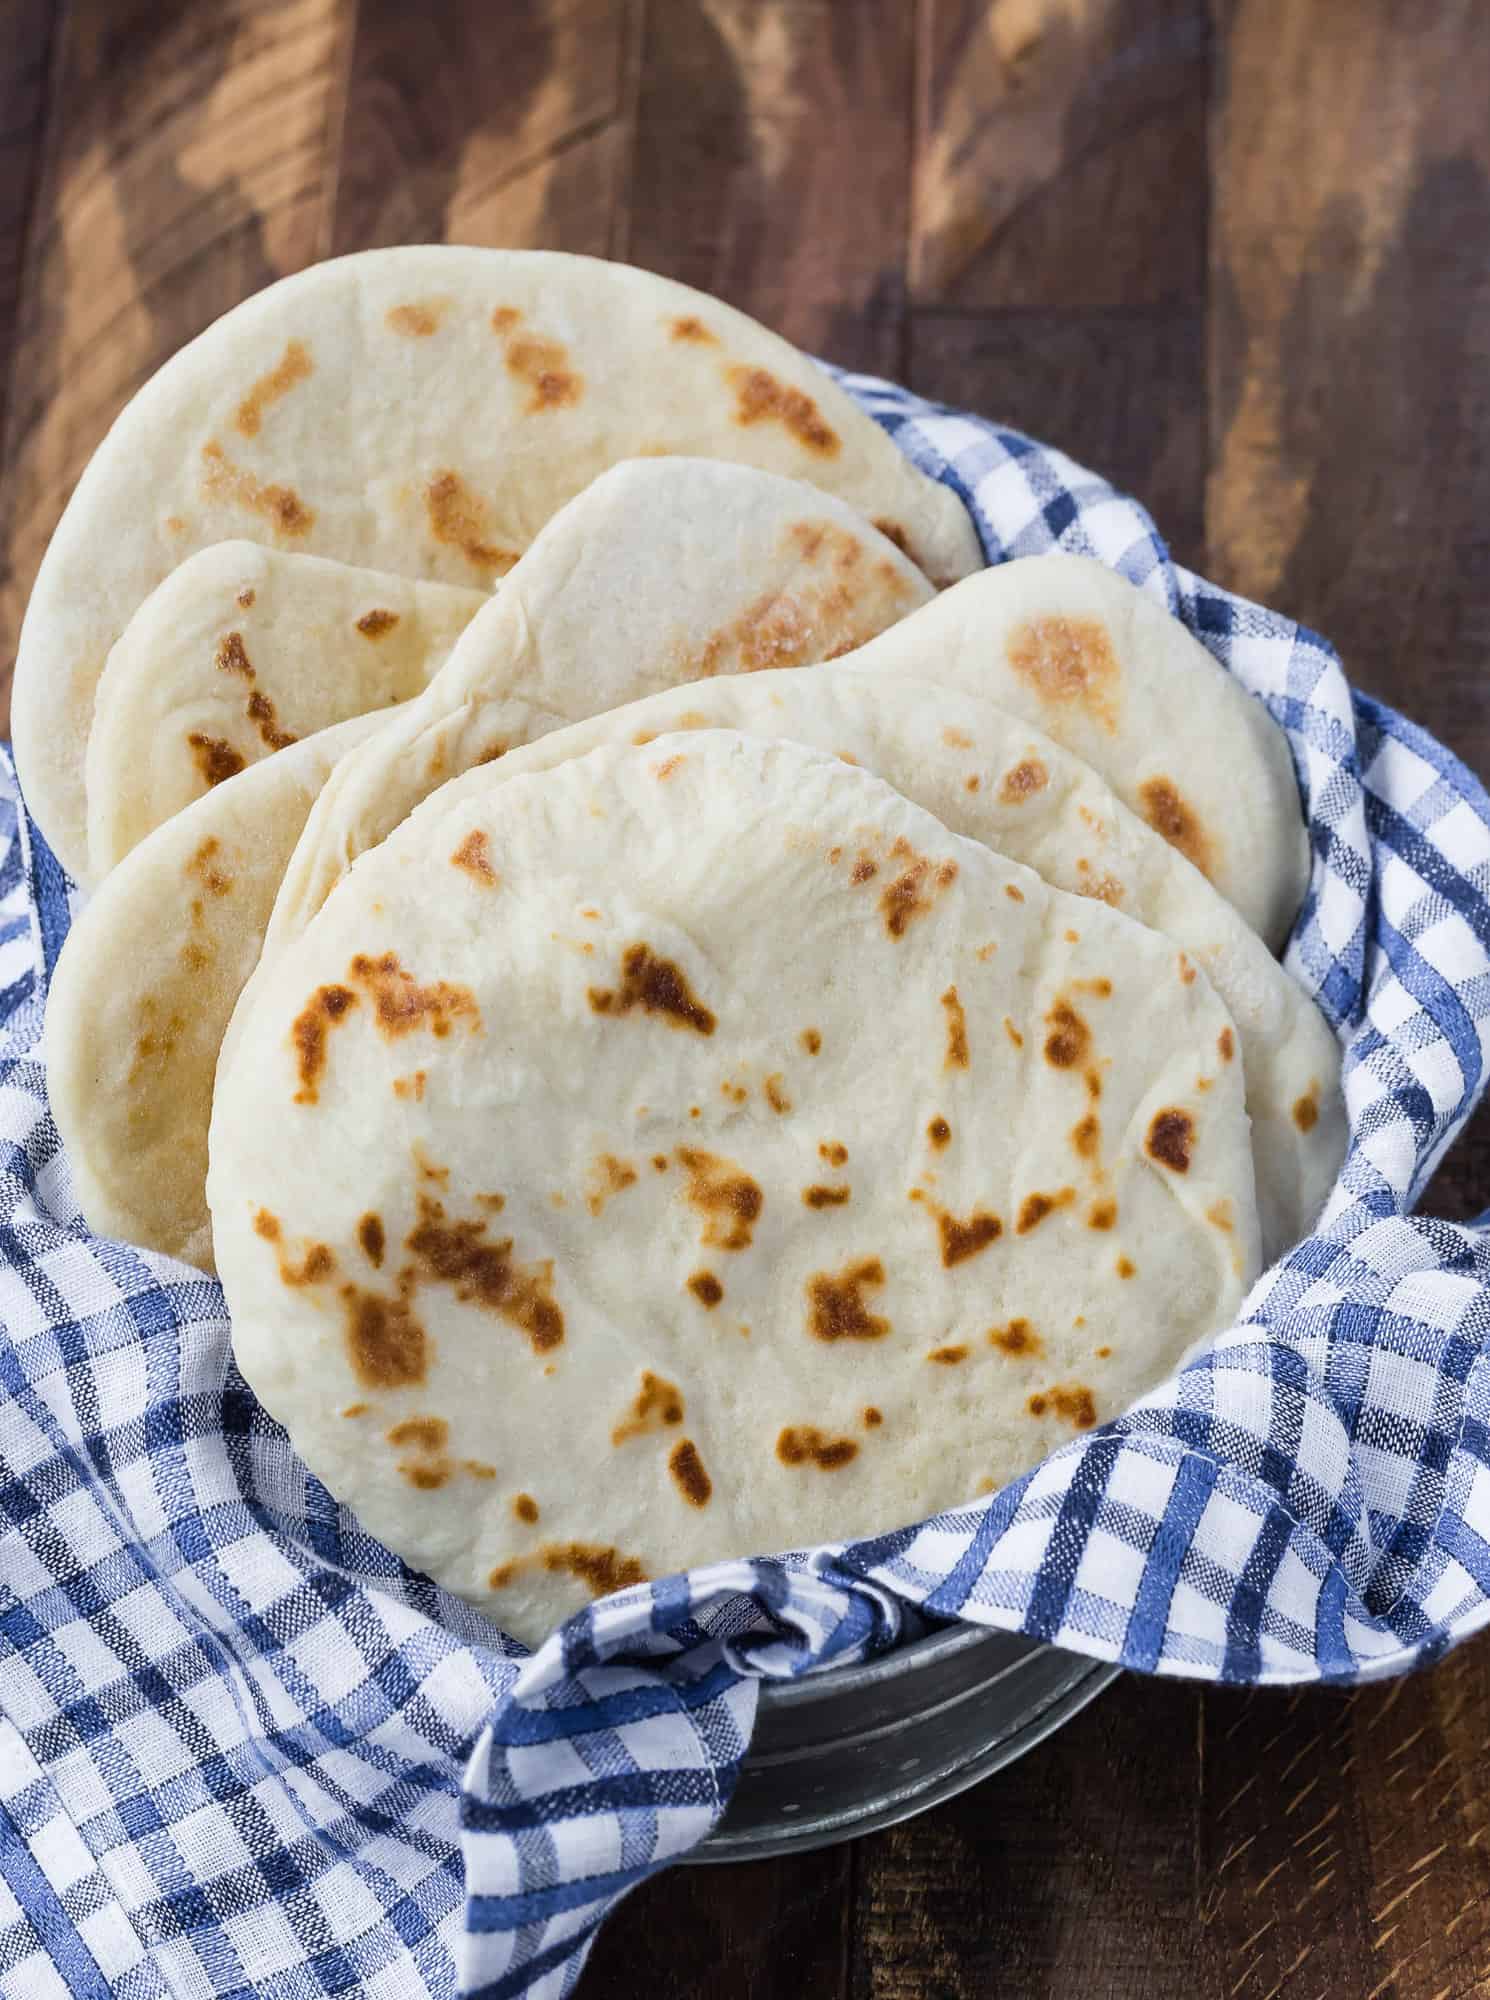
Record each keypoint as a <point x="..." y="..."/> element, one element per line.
<point x="957" y="1055"/>
<point x="1013" y="1033"/>
<point x="474" y="856"/>
<point x="689" y="1474"/>
<point x="939" y="1132"/>
<point x="326" y="1009"/>
<point x="1018" y="1337"/>
<point x="1086" y="1137"/>
<point x="1169" y="814"/>
<point x="726" y="1197"/>
<point x="961" y="1240"/>
<point x="417" y="320"/>
<point x="864" y="870"/>
<point x="1225" y="1045"/>
<point x="266" y="1225"/>
<point x="1219" y="1215"/>
<point x="427" y="1474"/>
<point x="373" y="624"/>
<point x="370" y="1236"/>
<point x="262" y="715"/>
<point x="1022" y="781"/>
<point x="836" y="1306"/>
<point x="422" y="1433"/>
<point x="1102" y="1214"/>
<point x="1306" y="1109"/>
<point x="1069" y="1401"/>
<point x="215" y="757"/>
<point x="663" y="771"/>
<point x="657" y="986"/>
<point x="461" y="520"/>
<point x="706" y="1288"/>
<point x="811" y="1040"/>
<point x="600" y="1570"/>
<point x="833" y="1152"/>
<point x="687" y="326"/>
<point x="658" y="1404"/>
<point x="761" y="398"/>
<point x="386" y="1345"/>
<point x="805" y="1444"/>
<point x="612" y="1176"/>
<point x="478" y="1468"/>
<point x="246" y="597"/>
<point x="525" y="1507"/>
<point x="775" y="1095"/>
<point x="455" y="1253"/>
<point x="401" y="1004"/>
<point x="1171" y="1135"/>
<point x="948" y="1357"/>
<point x="410" y="1086"/>
<point x="223" y="480"/>
<point x="1070" y="1039"/>
<point x="893" y="532"/>
<point x="1069" y="662"/>
<point x="540" y="363"/>
<point x="818" y="1196"/>
<point x="1035" y="1207"/>
<point x="207" y="869"/>
<point x="293" y="366"/>
<point x="231" y="656"/>
<point x="504" y="319"/>
<point x="957" y="739"/>
<point x="1126" y="1268"/>
<point x="914" y="889"/>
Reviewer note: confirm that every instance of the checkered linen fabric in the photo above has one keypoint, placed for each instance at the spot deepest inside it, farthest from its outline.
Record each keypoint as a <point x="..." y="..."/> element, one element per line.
<point x="243" y="1749"/>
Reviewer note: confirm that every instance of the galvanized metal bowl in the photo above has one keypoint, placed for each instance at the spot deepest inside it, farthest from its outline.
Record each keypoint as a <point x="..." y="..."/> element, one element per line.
<point x="841" y="1753"/>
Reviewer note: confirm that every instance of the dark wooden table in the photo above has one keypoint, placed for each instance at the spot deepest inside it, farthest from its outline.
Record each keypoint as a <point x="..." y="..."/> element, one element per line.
<point x="1239" y="257"/>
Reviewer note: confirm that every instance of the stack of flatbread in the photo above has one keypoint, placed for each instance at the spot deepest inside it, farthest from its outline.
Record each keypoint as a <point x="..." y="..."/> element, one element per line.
<point x="690" y="1017"/>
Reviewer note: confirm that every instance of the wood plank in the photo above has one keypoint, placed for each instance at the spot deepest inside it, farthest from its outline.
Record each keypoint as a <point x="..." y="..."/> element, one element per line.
<point x="504" y="127"/>
<point x="1062" y="153"/>
<point x="758" y="1931"/>
<point x="1121" y="391"/>
<point x="1054" y="1877"/>
<point x="192" y="167"/>
<point x="25" y="52"/>
<point x="1351" y="340"/>
<point x="772" y="164"/>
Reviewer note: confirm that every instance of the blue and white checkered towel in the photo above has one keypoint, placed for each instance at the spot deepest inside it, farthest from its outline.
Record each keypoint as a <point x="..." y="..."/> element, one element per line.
<point x="244" y="1750"/>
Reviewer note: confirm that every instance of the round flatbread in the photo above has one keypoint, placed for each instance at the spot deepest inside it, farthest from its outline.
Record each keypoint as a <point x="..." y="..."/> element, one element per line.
<point x="423" y="410"/>
<point x="696" y="1149"/>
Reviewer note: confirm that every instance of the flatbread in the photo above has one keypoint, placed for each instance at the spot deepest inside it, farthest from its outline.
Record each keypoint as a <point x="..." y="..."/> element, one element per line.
<point x="1076" y="649"/>
<point x="707" y="569"/>
<point x="631" y="1166"/>
<point x="423" y="410"/>
<point x="239" y="652"/>
<point x="673" y="566"/>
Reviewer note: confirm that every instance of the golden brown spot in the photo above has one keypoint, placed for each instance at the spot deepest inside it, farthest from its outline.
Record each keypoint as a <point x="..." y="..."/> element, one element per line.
<point x="658" y="987"/>
<point x="417" y="321"/>
<point x="1015" y="894"/>
<point x="1101" y="987"/>
<point x="197" y="956"/>
<point x="1187" y="971"/>
<point x="401" y="1004"/>
<point x="760" y="398"/>
<point x="659" y="1161"/>
<point x="957" y="1056"/>
<point x="461" y="519"/>
<point x="689" y="1476"/>
<point x="893" y="532"/>
<point x="370" y="1236"/>
<point x="474" y="856"/>
<point x="957" y="739"/>
<point x="216" y="758"/>
<point x="835" y="855"/>
<point x="204" y="866"/>
<point x="315" y="1267"/>
<point x="1219" y="1214"/>
<point x="832" y="1152"/>
<point x="175" y="524"/>
<point x="492" y="1203"/>
<point x="1169" y="814"/>
<point x="1018" y="1337"/>
<point x="1073" y="1404"/>
<point x="725" y="1196"/>
<point x="427" y="1474"/>
<point x="658" y="1404"/>
<point x="1069" y="1040"/>
<point x="504" y="319"/>
<point x="870" y="1417"/>
<point x="601" y="1570"/>
<point x="246" y="597"/>
<point x="1022" y="781"/>
<point x="327" y="1007"/>
<point x="805" y="1444"/>
<point x="939" y="1132"/>
<point x="294" y="366"/>
<point x="811" y="1040"/>
<point x="1105" y="889"/>
<point x="355" y="1410"/>
<point x="818" y="1196"/>
<point x="776" y="1097"/>
<point x="706" y="1288"/>
<point x="614" y="1175"/>
<point x="947" y="1357"/>
<point x="913" y="892"/>
<point x="373" y="624"/>
<point x="478" y="1468"/>
<point x="429" y="1434"/>
<point x="1225" y="1045"/>
<point x="1013" y="1033"/>
<point x="267" y="1225"/>
<point x="836" y="1308"/>
<point x="961" y="1240"/>
<point x="261" y="714"/>
<point x="487" y="1274"/>
<point x="232" y="657"/>
<point x="1171" y="1134"/>
<point x="1069" y="661"/>
<point x="1102" y="1214"/>
<point x="1306" y="1109"/>
<point x="688" y="327"/>
<point x="864" y="870"/>
<point x="1125" y="1267"/>
<point x="1103" y="1353"/>
<point x="386" y="1345"/>
<point x="429" y="1171"/>
<point x="666" y="768"/>
<point x="525" y="1507"/>
<point x="410" y="1086"/>
<point x="222" y="480"/>
<point x="972" y="784"/>
<point x="544" y="366"/>
<point x="1203" y="1083"/>
<point x="1035" y="1207"/>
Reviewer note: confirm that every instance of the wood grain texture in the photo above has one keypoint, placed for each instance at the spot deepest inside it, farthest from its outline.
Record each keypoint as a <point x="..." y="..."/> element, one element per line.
<point x="27" y="27"/>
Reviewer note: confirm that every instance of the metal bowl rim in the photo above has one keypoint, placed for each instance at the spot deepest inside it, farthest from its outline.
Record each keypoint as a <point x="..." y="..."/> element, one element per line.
<point x="829" y="1683"/>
